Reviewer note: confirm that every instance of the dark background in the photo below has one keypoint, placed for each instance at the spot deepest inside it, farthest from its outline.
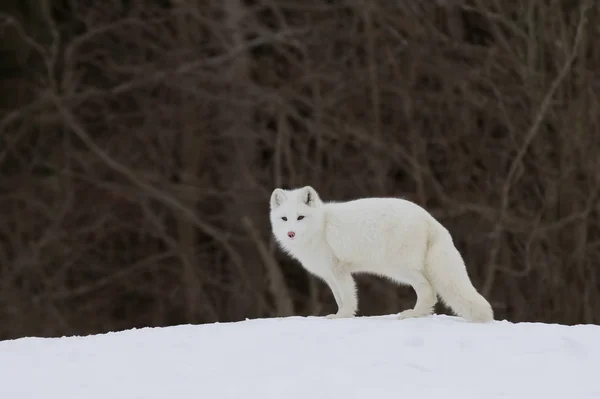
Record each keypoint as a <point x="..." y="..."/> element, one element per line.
<point x="140" y="141"/>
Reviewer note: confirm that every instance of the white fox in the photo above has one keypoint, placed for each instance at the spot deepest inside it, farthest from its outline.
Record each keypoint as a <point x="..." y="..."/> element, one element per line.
<point x="390" y="237"/>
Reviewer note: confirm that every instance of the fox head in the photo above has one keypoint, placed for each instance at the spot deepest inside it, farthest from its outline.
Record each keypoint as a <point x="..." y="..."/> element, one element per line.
<point x="296" y="215"/>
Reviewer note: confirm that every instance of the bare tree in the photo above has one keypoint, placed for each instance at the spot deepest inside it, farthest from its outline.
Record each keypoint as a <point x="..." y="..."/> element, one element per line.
<point x="143" y="140"/>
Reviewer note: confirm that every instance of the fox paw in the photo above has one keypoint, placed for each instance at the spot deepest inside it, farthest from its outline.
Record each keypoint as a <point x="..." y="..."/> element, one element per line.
<point x="411" y="314"/>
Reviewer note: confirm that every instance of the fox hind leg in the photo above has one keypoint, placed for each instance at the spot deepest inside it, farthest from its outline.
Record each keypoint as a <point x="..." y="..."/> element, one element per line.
<point x="426" y="298"/>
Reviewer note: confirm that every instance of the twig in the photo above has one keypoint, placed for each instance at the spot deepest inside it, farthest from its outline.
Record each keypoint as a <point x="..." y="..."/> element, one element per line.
<point x="529" y="137"/>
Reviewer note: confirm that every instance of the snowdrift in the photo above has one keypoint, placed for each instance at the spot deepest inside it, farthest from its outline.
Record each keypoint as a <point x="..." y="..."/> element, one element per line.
<point x="311" y="358"/>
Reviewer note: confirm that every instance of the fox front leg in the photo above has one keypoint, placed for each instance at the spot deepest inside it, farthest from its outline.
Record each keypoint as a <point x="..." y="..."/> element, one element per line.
<point x="343" y="287"/>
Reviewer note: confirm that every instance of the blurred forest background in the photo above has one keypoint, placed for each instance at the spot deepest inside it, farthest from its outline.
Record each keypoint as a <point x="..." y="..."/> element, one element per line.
<point x="140" y="141"/>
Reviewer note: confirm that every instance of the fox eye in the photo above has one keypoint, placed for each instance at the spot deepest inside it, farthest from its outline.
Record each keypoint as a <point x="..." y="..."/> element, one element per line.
<point x="284" y="218"/>
<point x="300" y="217"/>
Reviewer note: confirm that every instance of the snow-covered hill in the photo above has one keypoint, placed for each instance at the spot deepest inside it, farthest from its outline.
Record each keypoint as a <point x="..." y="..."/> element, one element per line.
<point x="311" y="358"/>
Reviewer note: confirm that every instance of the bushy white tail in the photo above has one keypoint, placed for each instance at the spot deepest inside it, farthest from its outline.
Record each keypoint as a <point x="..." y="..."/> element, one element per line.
<point x="446" y="271"/>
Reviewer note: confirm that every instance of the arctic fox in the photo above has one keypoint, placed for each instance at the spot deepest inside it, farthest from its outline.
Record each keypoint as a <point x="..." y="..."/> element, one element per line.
<point x="389" y="237"/>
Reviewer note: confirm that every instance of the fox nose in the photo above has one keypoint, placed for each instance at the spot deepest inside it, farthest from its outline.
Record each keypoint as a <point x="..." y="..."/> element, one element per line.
<point x="291" y="234"/>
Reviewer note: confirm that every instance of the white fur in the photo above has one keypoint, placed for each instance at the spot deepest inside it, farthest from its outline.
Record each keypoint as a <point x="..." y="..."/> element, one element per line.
<point x="390" y="237"/>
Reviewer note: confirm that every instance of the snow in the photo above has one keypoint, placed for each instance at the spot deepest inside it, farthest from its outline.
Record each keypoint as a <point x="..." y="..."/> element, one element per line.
<point x="311" y="358"/>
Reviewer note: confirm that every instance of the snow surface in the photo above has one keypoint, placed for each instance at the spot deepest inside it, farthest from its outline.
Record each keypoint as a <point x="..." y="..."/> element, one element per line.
<point x="311" y="358"/>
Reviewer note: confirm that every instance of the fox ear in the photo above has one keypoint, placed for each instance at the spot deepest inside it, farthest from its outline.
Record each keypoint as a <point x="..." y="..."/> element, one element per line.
<point x="310" y="196"/>
<point x="277" y="198"/>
